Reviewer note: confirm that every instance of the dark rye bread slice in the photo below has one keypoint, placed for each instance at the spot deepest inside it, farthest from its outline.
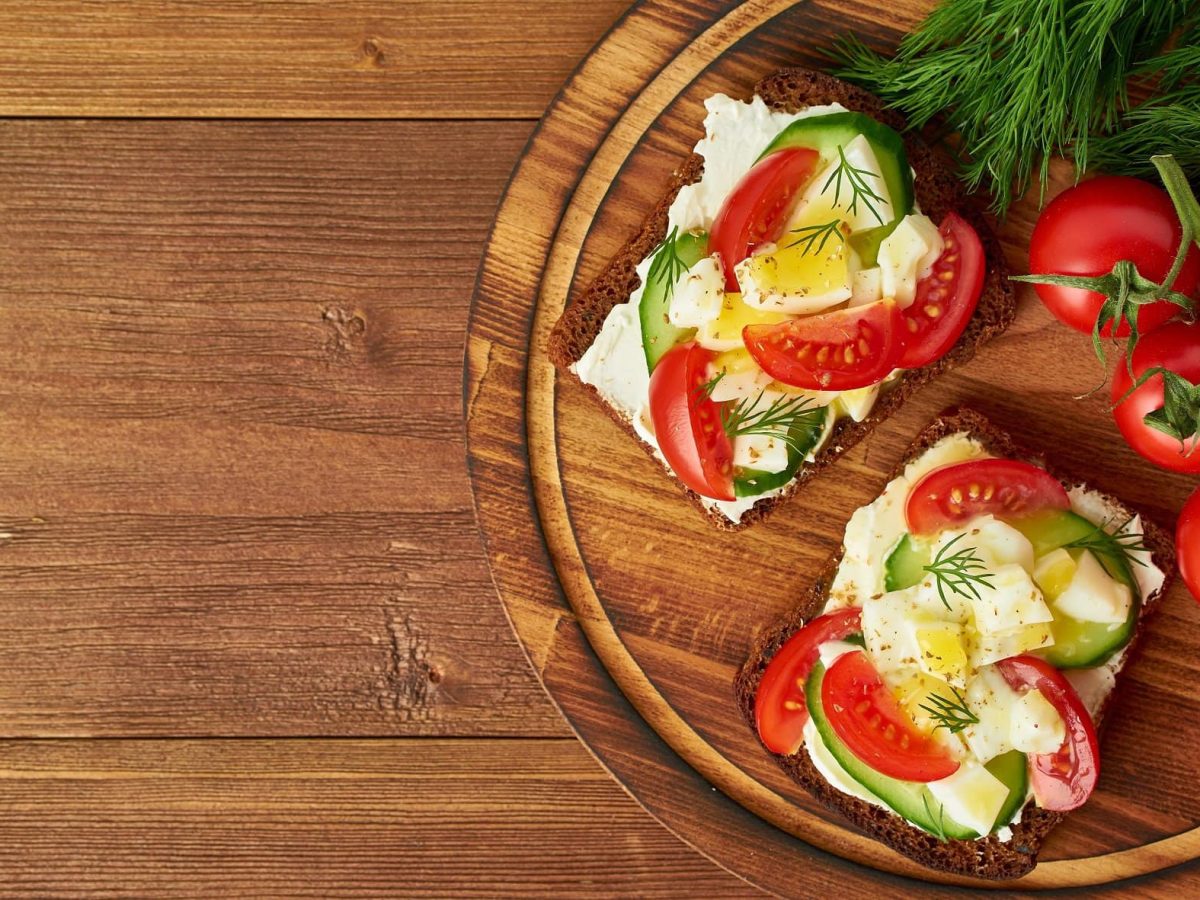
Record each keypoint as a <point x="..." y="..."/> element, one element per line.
<point x="988" y="857"/>
<point x="937" y="192"/>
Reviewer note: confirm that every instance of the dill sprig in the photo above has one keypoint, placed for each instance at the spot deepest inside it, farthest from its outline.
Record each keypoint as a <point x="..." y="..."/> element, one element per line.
<point x="960" y="572"/>
<point x="778" y="418"/>
<point x="938" y="825"/>
<point x="809" y="235"/>
<point x="666" y="267"/>
<point x="1020" y="80"/>
<point x="953" y="714"/>
<point x="855" y="180"/>
<point x="1113" y="547"/>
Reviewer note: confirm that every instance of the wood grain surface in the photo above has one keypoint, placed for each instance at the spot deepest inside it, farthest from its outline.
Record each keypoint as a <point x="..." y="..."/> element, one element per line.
<point x="233" y="504"/>
<point x="371" y="59"/>
<point x="322" y="818"/>
<point x="669" y="631"/>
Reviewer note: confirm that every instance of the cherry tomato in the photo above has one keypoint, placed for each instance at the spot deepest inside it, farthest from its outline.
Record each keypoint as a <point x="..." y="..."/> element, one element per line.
<point x="1088" y="228"/>
<point x="1175" y="346"/>
<point x="779" y="708"/>
<point x="687" y="424"/>
<point x="1187" y="543"/>
<point x="835" y="351"/>
<point x="870" y="722"/>
<point x="955" y="494"/>
<point x="1064" y="779"/>
<point x="946" y="298"/>
<point x="758" y="207"/>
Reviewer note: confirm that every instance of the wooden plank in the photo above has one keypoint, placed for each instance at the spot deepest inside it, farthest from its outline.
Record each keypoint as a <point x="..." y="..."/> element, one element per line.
<point x="232" y="484"/>
<point x="495" y="818"/>
<point x="295" y="59"/>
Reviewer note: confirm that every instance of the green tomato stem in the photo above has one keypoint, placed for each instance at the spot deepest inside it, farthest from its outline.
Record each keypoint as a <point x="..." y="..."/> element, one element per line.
<point x="1186" y="208"/>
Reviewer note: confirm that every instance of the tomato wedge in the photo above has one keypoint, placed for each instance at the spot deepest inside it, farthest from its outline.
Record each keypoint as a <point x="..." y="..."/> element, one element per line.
<point x="954" y="494"/>
<point x="687" y="424"/>
<point x="758" y="207"/>
<point x="946" y="297"/>
<point x="779" y="709"/>
<point x="1063" y="780"/>
<point x="870" y="722"/>
<point x="836" y="351"/>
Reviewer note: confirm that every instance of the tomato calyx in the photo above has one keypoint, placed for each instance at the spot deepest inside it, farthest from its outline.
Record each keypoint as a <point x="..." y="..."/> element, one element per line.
<point x="869" y="720"/>
<point x="1125" y="289"/>
<point x="1062" y="780"/>
<point x="954" y="494"/>
<point x="1179" y="416"/>
<point x="780" y="712"/>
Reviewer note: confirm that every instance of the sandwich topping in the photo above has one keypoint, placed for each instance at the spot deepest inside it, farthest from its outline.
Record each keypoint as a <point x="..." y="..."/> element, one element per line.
<point x="973" y="631"/>
<point x="797" y="279"/>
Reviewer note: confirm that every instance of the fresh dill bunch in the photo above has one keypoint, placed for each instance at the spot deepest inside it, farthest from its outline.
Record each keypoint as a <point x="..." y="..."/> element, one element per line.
<point x="1020" y="80"/>
<point x="1168" y="122"/>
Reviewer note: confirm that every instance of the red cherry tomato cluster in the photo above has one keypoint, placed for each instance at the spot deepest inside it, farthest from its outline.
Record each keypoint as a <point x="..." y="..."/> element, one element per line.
<point x="1086" y="231"/>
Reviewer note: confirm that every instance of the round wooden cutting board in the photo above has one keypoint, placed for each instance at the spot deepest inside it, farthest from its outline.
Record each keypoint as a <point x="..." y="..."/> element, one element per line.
<point x="635" y="611"/>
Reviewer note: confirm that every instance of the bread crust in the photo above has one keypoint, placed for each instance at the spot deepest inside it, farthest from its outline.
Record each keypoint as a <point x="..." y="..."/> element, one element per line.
<point x="988" y="857"/>
<point x="937" y="192"/>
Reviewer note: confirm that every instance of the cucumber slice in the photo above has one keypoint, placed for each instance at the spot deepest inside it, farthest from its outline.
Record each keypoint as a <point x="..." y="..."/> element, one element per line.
<point x="911" y="799"/>
<point x="826" y="133"/>
<point x="752" y="482"/>
<point x="658" y="334"/>
<point x="1081" y="645"/>
<point x="905" y="565"/>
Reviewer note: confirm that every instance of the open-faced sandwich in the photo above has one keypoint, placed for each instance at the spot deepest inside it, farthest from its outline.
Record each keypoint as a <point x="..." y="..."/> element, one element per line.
<point x="810" y="266"/>
<point x="941" y="683"/>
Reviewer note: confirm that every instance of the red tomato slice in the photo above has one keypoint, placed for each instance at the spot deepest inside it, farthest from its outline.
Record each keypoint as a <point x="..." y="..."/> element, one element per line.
<point x="836" y="351"/>
<point x="758" y="207"/>
<point x="779" y="708"/>
<point x="869" y="721"/>
<point x="687" y="424"/>
<point x="954" y="494"/>
<point x="946" y="298"/>
<point x="1062" y="780"/>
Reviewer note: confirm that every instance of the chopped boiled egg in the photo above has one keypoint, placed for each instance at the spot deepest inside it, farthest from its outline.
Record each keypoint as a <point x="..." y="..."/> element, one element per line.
<point x="889" y="629"/>
<point x="903" y="257"/>
<point x="1008" y="601"/>
<point x="989" y="648"/>
<point x="913" y="689"/>
<point x="866" y="286"/>
<point x="761" y="452"/>
<point x="696" y="299"/>
<point x="995" y="542"/>
<point x="725" y="331"/>
<point x="857" y="403"/>
<point x="1053" y="573"/>
<point x="942" y="652"/>
<point x="831" y="650"/>
<point x="832" y="187"/>
<point x="1093" y="595"/>
<point x="734" y="361"/>
<point x="991" y="700"/>
<point x="738" y="385"/>
<point x="972" y="796"/>
<point x="806" y="272"/>
<point x="1036" y="725"/>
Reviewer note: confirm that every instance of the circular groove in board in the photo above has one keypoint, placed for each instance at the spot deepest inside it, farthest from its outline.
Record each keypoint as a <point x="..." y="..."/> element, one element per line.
<point x="583" y="178"/>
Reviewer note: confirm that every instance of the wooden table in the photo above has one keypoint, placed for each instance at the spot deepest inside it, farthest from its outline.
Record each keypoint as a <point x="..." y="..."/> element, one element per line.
<point x="248" y="637"/>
